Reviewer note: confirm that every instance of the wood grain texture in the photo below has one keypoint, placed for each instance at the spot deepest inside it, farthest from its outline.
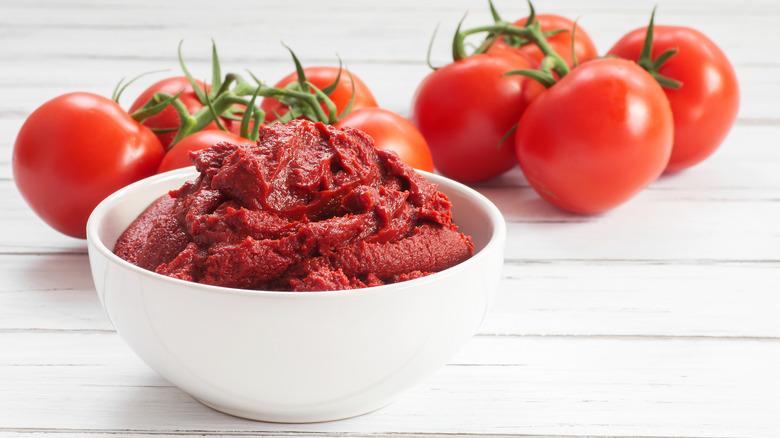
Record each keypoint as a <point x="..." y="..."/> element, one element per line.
<point x="511" y="385"/>
<point x="657" y="319"/>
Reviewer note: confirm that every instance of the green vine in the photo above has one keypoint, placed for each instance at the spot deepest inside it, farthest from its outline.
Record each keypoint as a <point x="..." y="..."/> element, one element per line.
<point x="233" y="97"/>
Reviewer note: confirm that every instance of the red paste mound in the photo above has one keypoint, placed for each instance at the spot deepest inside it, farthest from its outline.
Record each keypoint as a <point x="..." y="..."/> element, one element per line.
<point x="309" y="207"/>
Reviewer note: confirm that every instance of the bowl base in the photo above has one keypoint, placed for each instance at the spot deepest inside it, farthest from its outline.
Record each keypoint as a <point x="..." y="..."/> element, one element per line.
<point x="287" y="417"/>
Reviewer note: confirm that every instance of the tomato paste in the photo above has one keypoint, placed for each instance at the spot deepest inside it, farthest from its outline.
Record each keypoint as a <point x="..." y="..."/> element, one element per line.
<point x="308" y="207"/>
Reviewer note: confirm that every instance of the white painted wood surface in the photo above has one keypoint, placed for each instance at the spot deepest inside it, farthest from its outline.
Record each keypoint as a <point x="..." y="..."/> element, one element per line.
<point x="658" y="319"/>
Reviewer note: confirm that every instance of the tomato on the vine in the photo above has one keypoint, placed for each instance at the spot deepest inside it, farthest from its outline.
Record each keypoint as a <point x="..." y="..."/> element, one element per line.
<point x="705" y="106"/>
<point x="561" y="42"/>
<point x="393" y="132"/>
<point x="597" y="137"/>
<point x="510" y="51"/>
<point x="322" y="77"/>
<point x="168" y="119"/>
<point x="466" y="112"/>
<point x="178" y="155"/>
<point x="75" y="150"/>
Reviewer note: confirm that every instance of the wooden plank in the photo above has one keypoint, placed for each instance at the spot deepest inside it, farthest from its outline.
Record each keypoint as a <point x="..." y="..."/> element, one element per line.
<point x="619" y="298"/>
<point x="498" y="385"/>
<point x="402" y="31"/>
<point x="49" y="292"/>
<point x="645" y="229"/>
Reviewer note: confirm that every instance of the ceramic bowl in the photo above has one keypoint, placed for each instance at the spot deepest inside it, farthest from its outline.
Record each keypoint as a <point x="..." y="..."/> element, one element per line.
<point x="294" y="356"/>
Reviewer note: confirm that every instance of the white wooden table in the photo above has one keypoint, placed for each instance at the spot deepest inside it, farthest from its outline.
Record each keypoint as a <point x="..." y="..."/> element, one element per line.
<point x="658" y="319"/>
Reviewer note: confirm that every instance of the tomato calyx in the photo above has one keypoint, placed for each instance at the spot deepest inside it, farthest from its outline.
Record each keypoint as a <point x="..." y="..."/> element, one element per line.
<point x="653" y="65"/>
<point x="301" y="104"/>
<point x="552" y="65"/>
<point x="509" y="39"/>
<point x="511" y="34"/>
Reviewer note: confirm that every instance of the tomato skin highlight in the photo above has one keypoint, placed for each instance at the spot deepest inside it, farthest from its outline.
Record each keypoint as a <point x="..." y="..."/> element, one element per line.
<point x="597" y="137"/>
<point x="391" y="131"/>
<point x="705" y="106"/>
<point x="178" y="156"/>
<point x="466" y="108"/>
<point x="322" y="77"/>
<point x="75" y="150"/>
<point x="561" y="43"/>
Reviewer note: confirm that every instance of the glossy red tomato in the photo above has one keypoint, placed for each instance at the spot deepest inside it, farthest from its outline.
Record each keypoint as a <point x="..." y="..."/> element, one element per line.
<point x="169" y="118"/>
<point x="322" y="77"/>
<point x="75" y="150"/>
<point x="511" y="51"/>
<point x="561" y="43"/>
<point x="597" y="137"/>
<point x="179" y="155"/>
<point x="393" y="132"/>
<point x="465" y="109"/>
<point x="705" y="106"/>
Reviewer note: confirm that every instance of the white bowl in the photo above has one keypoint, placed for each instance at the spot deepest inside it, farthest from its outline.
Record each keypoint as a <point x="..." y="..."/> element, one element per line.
<point x="294" y="356"/>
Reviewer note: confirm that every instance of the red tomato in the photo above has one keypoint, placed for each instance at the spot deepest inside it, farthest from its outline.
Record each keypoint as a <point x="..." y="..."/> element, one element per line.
<point x="597" y="137"/>
<point x="322" y="77"/>
<point x="465" y="109"/>
<point x="705" y="106"/>
<point x="179" y="155"/>
<point x="561" y="43"/>
<point x="75" y="150"/>
<point x="169" y="118"/>
<point x="393" y="132"/>
<point x="505" y="50"/>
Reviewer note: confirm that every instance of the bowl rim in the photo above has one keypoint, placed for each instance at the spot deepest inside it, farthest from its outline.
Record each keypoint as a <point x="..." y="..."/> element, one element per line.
<point x="497" y="239"/>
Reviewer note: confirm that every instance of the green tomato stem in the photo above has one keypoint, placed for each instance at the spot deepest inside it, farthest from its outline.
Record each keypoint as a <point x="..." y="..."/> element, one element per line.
<point x="195" y="88"/>
<point x="216" y="74"/>
<point x="302" y="98"/>
<point x="250" y="112"/>
<point x="652" y="66"/>
<point x="157" y="103"/>
<point x="531" y="32"/>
